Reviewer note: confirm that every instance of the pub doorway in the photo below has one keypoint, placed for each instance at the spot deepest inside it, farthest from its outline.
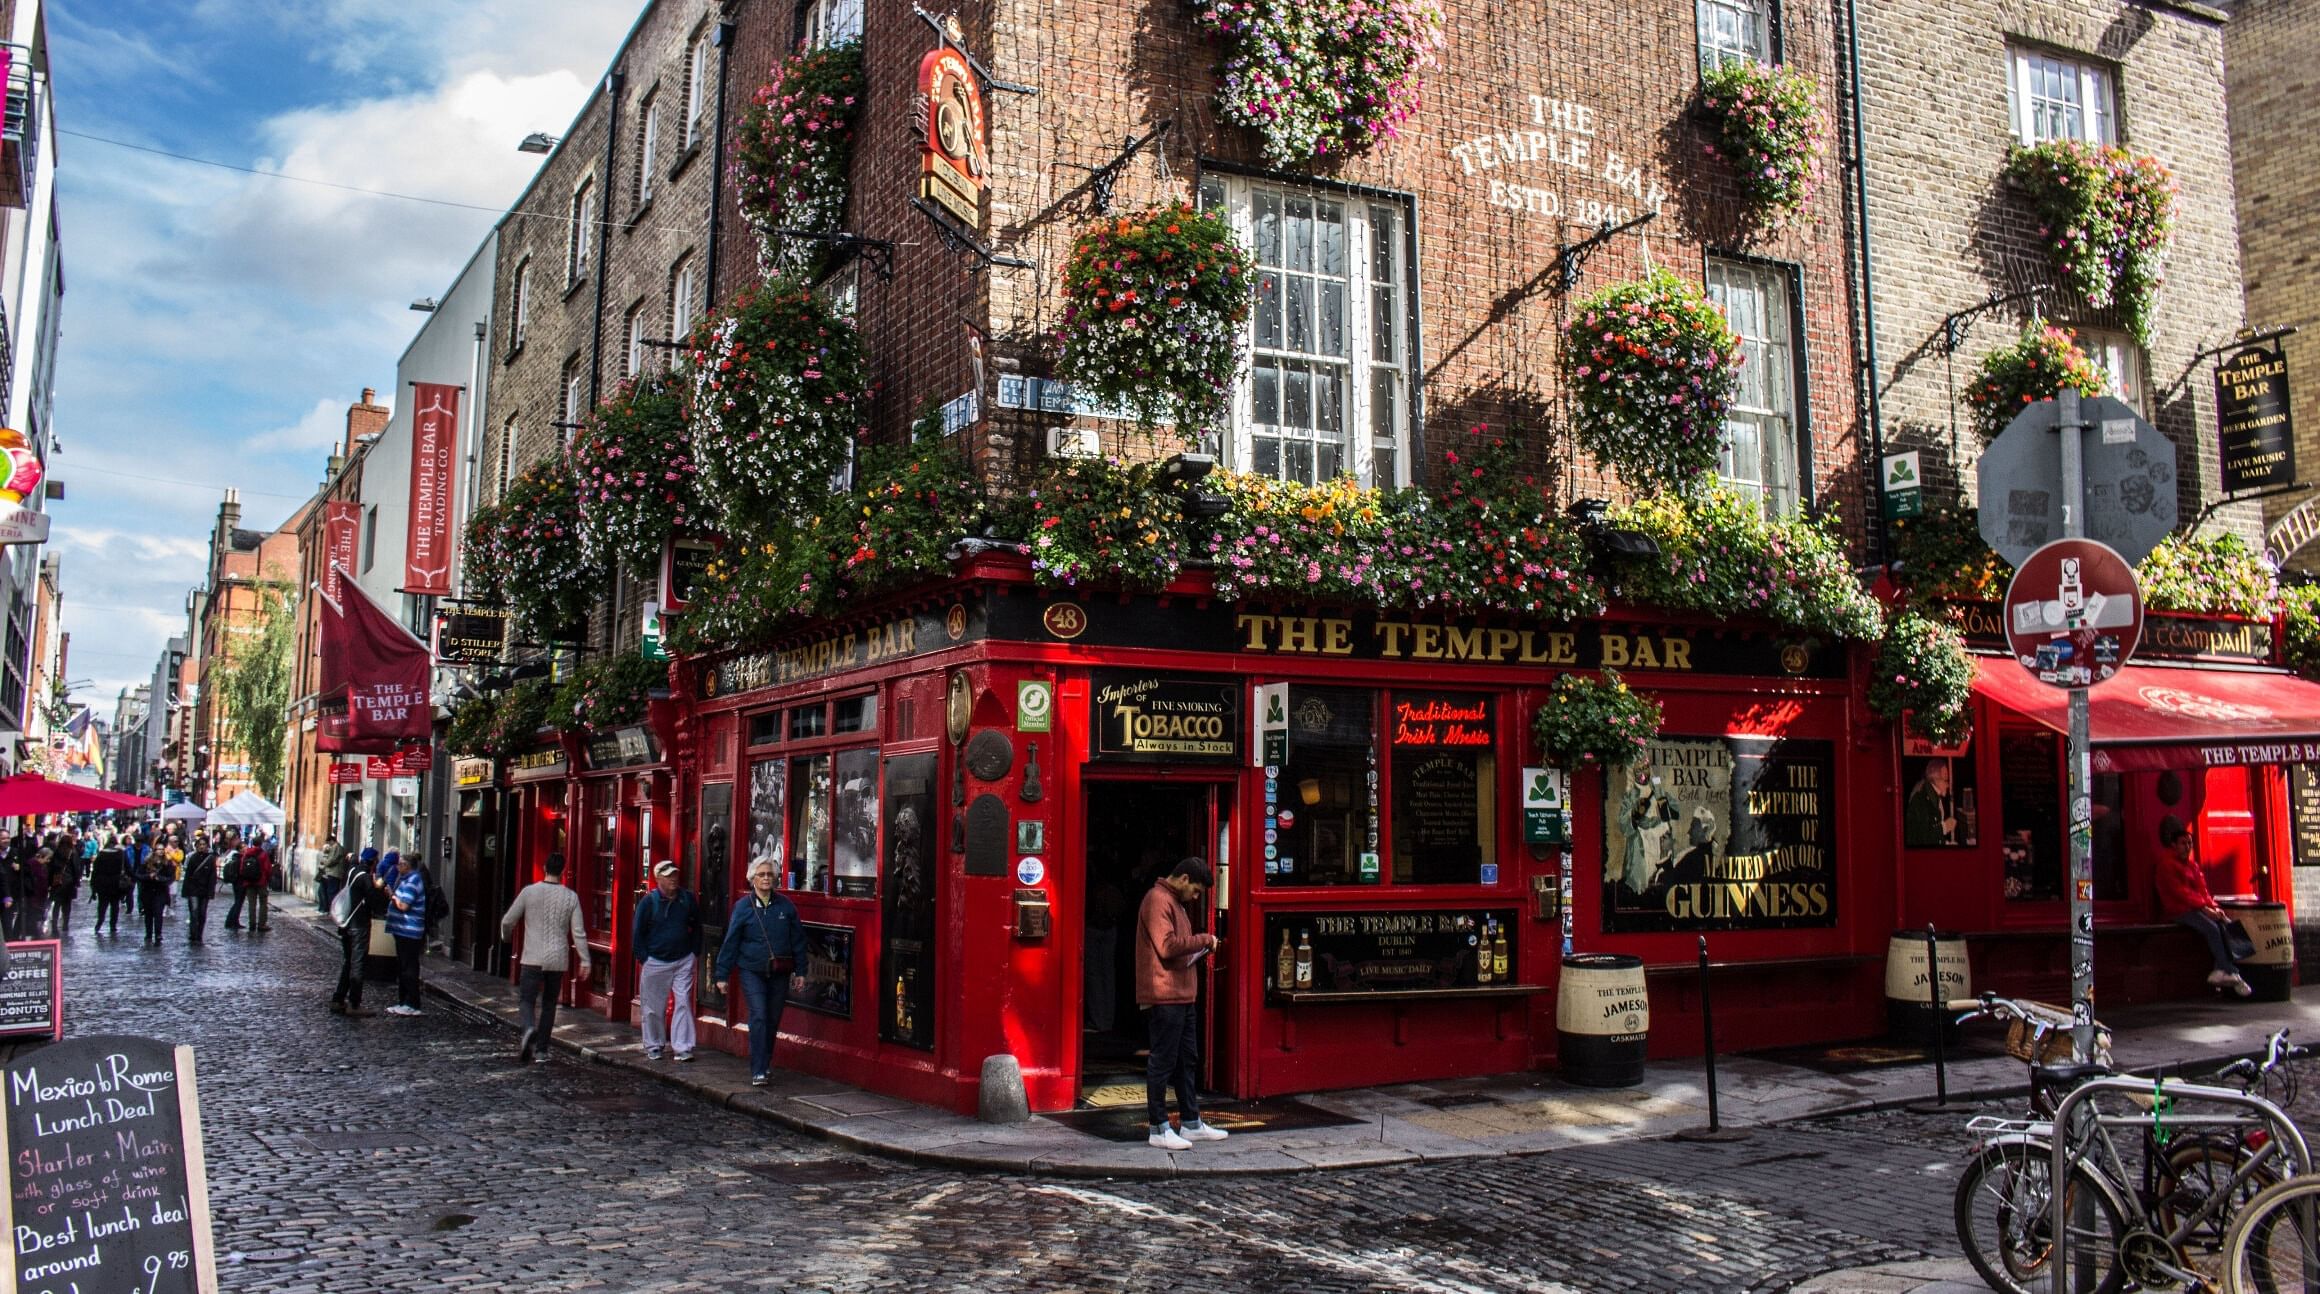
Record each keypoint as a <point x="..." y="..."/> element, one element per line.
<point x="1136" y="832"/>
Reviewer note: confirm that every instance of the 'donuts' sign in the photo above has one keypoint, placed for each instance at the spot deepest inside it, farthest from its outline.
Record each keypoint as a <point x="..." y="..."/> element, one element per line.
<point x="1155" y="719"/>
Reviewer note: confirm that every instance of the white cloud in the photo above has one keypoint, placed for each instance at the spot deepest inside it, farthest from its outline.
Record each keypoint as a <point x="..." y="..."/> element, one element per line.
<point x="321" y="430"/>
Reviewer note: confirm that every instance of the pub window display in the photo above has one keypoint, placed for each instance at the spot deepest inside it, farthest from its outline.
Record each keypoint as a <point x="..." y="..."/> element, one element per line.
<point x="1721" y="833"/>
<point x="1941" y="810"/>
<point x="1445" y="779"/>
<point x="2031" y="806"/>
<point x="809" y="823"/>
<point x="1327" y="816"/>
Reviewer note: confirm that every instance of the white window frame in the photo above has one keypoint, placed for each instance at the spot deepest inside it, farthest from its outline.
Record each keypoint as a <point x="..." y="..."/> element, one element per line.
<point x="1730" y="29"/>
<point x="697" y="64"/>
<point x="583" y="231"/>
<point x="2035" y="78"/>
<point x="832" y="22"/>
<point x="1374" y="385"/>
<point x="573" y="394"/>
<point x="2121" y="362"/>
<point x="1764" y="407"/>
<point x="648" y="146"/>
<point x="841" y="289"/>
<point x="520" y="310"/>
<point x="506" y="472"/>
<point x="632" y="341"/>
<point x="684" y="295"/>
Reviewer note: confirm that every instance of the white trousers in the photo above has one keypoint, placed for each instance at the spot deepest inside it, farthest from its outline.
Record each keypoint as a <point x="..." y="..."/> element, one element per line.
<point x="662" y="980"/>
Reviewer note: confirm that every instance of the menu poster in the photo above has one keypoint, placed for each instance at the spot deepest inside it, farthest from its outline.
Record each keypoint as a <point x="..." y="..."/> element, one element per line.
<point x="106" y="1186"/>
<point x="2304" y="811"/>
<point x="1721" y="833"/>
<point x="32" y="992"/>
<point x="826" y="976"/>
<point x="716" y="873"/>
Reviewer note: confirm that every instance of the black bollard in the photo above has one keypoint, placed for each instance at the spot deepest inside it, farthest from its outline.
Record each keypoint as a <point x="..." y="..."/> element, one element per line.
<point x="1940" y="1004"/>
<point x="1715" y="1131"/>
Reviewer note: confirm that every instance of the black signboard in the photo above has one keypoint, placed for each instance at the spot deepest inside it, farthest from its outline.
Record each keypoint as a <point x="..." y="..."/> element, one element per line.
<point x="32" y="992"/>
<point x="714" y="865"/>
<point x="2304" y="811"/>
<point x="1721" y="833"/>
<point x="106" y="1188"/>
<point x="1141" y="717"/>
<point x="470" y="636"/>
<point x="630" y="747"/>
<point x="833" y="651"/>
<point x="2252" y="420"/>
<point x="826" y="977"/>
<point x="1373" y="952"/>
<point x="907" y="920"/>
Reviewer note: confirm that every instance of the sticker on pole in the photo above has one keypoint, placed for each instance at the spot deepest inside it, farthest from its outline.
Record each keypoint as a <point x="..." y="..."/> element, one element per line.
<point x="2073" y="613"/>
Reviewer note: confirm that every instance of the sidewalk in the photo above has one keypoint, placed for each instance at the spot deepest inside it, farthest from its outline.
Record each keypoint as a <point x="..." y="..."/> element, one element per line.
<point x="1507" y="1114"/>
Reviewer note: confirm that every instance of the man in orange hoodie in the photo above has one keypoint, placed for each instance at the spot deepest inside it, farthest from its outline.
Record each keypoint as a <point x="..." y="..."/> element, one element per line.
<point x="1168" y="952"/>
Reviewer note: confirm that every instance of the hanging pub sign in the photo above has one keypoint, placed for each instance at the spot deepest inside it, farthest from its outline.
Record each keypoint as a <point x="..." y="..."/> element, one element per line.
<point x="1154" y="719"/>
<point x="956" y="163"/>
<point x="2252" y="420"/>
<point x="683" y="559"/>
<point x="470" y="635"/>
<point x="346" y="774"/>
<point x="1721" y="833"/>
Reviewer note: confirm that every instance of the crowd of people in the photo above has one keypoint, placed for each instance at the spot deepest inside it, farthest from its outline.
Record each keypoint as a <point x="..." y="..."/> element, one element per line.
<point x="143" y="867"/>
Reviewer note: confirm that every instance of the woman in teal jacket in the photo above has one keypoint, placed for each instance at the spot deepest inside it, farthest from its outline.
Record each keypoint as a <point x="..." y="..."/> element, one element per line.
<point x="766" y="942"/>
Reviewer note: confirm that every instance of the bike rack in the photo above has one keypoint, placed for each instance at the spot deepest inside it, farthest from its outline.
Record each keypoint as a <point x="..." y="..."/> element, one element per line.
<point x="2282" y="1127"/>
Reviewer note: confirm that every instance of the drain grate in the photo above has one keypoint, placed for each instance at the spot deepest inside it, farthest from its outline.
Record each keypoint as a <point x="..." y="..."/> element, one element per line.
<point x="819" y="1172"/>
<point x="363" y="1140"/>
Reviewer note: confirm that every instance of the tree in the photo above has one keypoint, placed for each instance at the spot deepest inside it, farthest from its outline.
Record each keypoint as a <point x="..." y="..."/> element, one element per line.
<point x="254" y="687"/>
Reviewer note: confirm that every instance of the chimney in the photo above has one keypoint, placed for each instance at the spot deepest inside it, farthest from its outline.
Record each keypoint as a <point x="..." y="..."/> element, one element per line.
<point x="365" y="419"/>
<point x="229" y="518"/>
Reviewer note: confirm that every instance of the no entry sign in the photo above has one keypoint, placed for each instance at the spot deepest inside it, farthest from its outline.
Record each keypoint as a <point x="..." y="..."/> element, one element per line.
<point x="2073" y="613"/>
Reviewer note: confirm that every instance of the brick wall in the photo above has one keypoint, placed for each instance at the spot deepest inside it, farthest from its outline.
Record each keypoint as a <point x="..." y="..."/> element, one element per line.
<point x="1947" y="234"/>
<point x="2270" y="48"/>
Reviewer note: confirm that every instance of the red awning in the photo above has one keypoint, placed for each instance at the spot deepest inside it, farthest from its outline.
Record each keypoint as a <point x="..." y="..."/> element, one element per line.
<point x="2151" y="717"/>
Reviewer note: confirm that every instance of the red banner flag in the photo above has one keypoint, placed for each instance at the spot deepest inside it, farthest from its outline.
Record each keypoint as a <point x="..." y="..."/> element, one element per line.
<point x="340" y="524"/>
<point x="434" y="451"/>
<point x="375" y="767"/>
<point x="373" y="697"/>
<point x="346" y="774"/>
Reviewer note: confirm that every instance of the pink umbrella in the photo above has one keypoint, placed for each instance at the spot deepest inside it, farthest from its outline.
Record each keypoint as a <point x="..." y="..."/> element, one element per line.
<point x="30" y="793"/>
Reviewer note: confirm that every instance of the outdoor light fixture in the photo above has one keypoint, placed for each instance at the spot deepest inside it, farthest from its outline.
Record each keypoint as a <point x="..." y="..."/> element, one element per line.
<point x="1588" y="512"/>
<point x="539" y="142"/>
<point x="1183" y="471"/>
<point x="1610" y="542"/>
<point x="424" y="305"/>
<point x="1188" y="468"/>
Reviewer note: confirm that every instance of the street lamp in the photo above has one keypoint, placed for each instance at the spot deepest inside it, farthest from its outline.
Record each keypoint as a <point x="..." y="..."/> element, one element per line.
<point x="539" y="142"/>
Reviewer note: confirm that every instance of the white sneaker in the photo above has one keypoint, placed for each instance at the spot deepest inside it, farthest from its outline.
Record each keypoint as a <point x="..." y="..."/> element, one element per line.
<point x="1202" y="1132"/>
<point x="652" y="1053"/>
<point x="2218" y="979"/>
<point x="1165" y="1137"/>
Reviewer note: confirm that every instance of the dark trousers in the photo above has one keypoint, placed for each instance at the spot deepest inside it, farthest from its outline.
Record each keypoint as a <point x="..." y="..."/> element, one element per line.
<point x="2211" y="930"/>
<point x="354" y="947"/>
<point x="1175" y="1058"/>
<point x="766" y="999"/>
<point x="326" y="889"/>
<point x="60" y="915"/>
<point x="152" y="901"/>
<point x="196" y="917"/>
<point x="537" y="992"/>
<point x="234" y="911"/>
<point x="407" y="952"/>
<point x="109" y="910"/>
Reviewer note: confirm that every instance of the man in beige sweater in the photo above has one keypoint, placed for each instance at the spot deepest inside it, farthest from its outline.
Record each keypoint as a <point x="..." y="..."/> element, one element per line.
<point x="550" y="915"/>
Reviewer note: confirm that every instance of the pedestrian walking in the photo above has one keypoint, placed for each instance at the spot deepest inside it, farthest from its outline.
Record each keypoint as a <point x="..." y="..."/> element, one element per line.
<point x="764" y="942"/>
<point x="64" y="885"/>
<point x="666" y="936"/>
<point x="230" y="872"/>
<point x="407" y="923"/>
<point x="154" y="876"/>
<point x="1168" y="953"/>
<point x="366" y="901"/>
<point x="550" y="916"/>
<point x="200" y="886"/>
<point x="255" y="885"/>
<point x="109" y="881"/>
<point x="32" y="886"/>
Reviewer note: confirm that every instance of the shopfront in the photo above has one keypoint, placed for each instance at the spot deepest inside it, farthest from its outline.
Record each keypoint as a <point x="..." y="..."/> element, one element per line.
<point x="2203" y="727"/>
<point x="622" y="829"/>
<point x="476" y="898"/>
<point x="536" y="823"/>
<point x="968" y="796"/>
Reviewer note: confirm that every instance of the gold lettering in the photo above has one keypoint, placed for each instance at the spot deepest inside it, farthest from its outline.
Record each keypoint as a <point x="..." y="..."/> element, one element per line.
<point x="1464" y="644"/>
<point x="1391" y="631"/>
<point x="1644" y="659"/>
<point x="1253" y="628"/>
<point x="1337" y="637"/>
<point x="1501" y="642"/>
<point x="1615" y="654"/>
<point x="1676" y="653"/>
<point x="1531" y="655"/>
<point x="1429" y="642"/>
<point x="1297" y="633"/>
<point x="1566" y="648"/>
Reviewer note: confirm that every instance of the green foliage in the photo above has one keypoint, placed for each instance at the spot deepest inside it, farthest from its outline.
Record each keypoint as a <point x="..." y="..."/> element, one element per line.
<point x="1588" y="722"/>
<point x="1153" y="308"/>
<point x="1922" y="671"/>
<point x="1104" y="522"/>
<point x="2042" y="362"/>
<point x="779" y="394"/>
<point x="254" y="687"/>
<point x="1943" y="557"/>
<point x="1651" y="367"/>
<point x="2301" y="603"/>
<point x="522" y="711"/>
<point x="532" y="555"/>
<point x="2209" y="573"/>
<point x="472" y="729"/>
<point x="605" y="693"/>
<point x="1771" y="128"/>
<point x="632" y="462"/>
<point x="2108" y="216"/>
<point x="793" y="152"/>
<point x="1721" y="557"/>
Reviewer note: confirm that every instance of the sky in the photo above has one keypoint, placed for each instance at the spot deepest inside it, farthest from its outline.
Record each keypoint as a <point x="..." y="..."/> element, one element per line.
<point x="216" y="325"/>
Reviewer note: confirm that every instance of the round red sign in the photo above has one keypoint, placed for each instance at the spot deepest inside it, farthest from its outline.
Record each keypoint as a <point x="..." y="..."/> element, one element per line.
<point x="2073" y="613"/>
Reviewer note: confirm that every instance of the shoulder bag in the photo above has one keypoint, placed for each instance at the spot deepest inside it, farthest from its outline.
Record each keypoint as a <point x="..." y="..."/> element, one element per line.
<point x="777" y="966"/>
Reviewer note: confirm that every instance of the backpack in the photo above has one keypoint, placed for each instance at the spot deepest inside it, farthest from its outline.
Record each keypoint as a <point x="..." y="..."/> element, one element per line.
<point x="438" y="903"/>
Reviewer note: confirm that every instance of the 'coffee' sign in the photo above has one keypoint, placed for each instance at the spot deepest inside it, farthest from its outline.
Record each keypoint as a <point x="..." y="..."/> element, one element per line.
<point x="2252" y="420"/>
<point x="1154" y="719"/>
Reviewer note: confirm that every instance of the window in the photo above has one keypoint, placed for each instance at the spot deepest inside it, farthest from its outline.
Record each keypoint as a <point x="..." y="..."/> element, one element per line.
<point x="1760" y="442"/>
<point x="632" y="342"/>
<point x="603" y="849"/>
<point x="583" y="231"/>
<point x="855" y="714"/>
<point x="808" y="721"/>
<point x="520" y="305"/>
<point x="1329" y="788"/>
<point x="574" y="394"/>
<point x="2120" y="360"/>
<point x="1445" y="786"/>
<point x="698" y="60"/>
<point x="814" y="807"/>
<point x="2059" y="98"/>
<point x="1329" y="336"/>
<point x="841" y="289"/>
<point x="684" y="295"/>
<point x="1734" y="29"/>
<point x="370" y="537"/>
<point x="832" y="22"/>
<point x="648" y="147"/>
<point x="507" y="460"/>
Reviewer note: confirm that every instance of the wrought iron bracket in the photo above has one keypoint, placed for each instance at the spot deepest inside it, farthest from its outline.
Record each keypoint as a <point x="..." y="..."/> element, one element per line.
<point x="1957" y="324"/>
<point x="878" y="253"/>
<point x="1102" y="180"/>
<point x="1570" y="258"/>
<point x="2248" y="337"/>
<point x="969" y="248"/>
<point x="944" y="33"/>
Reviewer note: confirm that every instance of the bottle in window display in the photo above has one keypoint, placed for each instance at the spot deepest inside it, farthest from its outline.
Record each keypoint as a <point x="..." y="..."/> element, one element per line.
<point x="1482" y="957"/>
<point x="1498" y="953"/>
<point x="1304" y="972"/>
<point x="1284" y="963"/>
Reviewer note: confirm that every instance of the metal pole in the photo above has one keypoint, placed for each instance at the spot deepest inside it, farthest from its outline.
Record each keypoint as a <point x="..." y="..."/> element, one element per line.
<point x="2071" y="426"/>
<point x="1708" y="1031"/>
<point x="1940" y="1018"/>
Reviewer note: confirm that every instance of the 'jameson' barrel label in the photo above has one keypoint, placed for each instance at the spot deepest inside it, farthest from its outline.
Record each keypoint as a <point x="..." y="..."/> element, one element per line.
<point x="1155" y="719"/>
<point x="1721" y="833"/>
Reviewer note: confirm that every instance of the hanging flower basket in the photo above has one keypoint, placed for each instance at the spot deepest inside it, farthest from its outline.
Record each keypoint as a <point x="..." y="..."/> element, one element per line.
<point x="483" y="573"/>
<point x="1922" y="671"/>
<point x="1153" y="308"/>
<point x="1943" y="556"/>
<point x="2209" y="573"/>
<point x="751" y="592"/>
<point x="2108" y="217"/>
<point x="1504" y="545"/>
<point x="633" y="459"/>
<point x="2300" y="606"/>
<point x="1333" y="542"/>
<point x="1651" y="367"/>
<point x="914" y="506"/>
<point x="777" y="404"/>
<point x="1589" y="723"/>
<point x="2042" y="362"/>
<point x="542" y="569"/>
<point x="606" y="693"/>
<point x="792" y="154"/>
<point x="472" y="727"/>
<point x="1094" y="521"/>
<point x="1318" y="79"/>
<point x="1721" y="557"/>
<point x="1771" y="127"/>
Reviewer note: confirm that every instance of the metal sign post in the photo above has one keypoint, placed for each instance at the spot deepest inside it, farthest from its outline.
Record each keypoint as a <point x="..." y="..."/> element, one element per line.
<point x="2071" y="426"/>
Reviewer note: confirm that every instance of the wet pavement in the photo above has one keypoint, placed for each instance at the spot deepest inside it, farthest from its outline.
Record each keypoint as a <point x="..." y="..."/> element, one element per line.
<point x="416" y="1154"/>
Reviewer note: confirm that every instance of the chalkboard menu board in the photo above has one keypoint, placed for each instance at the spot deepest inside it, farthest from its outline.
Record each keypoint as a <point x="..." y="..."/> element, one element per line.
<point x="106" y="1188"/>
<point x="32" y="993"/>
<point x="1370" y="952"/>
<point x="2304" y="810"/>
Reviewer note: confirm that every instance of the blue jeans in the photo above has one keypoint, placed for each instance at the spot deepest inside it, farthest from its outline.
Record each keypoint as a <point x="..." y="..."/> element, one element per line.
<point x="766" y="1000"/>
<point x="2211" y="930"/>
<point x="1175" y="1059"/>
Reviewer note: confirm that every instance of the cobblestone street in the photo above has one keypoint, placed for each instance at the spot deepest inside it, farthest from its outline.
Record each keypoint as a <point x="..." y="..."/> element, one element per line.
<point x="401" y="1154"/>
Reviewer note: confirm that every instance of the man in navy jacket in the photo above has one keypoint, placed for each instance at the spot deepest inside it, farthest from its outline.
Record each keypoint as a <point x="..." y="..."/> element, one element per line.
<point x="666" y="933"/>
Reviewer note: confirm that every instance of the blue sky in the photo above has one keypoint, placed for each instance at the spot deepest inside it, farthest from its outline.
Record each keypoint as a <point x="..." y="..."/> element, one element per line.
<point x="216" y="325"/>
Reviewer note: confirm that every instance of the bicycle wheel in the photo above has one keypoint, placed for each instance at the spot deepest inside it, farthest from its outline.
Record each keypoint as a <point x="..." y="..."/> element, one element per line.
<point x="2274" y="1245"/>
<point x="2193" y="1174"/>
<point x="2003" y="1210"/>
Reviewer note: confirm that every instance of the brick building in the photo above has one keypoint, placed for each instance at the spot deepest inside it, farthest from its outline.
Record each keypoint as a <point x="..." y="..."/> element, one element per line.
<point x="247" y="569"/>
<point x="2269" y="48"/>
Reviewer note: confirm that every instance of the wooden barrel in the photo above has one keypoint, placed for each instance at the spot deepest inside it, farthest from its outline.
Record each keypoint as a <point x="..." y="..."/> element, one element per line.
<point x="1909" y="993"/>
<point x="1602" y="1017"/>
<point x="2272" y="971"/>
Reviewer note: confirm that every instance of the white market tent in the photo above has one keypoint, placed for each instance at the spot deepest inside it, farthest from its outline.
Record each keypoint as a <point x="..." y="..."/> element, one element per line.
<point x="184" y="811"/>
<point x="249" y="809"/>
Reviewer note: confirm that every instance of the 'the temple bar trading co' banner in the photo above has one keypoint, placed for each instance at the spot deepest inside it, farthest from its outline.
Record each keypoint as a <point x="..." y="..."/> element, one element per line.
<point x="434" y="450"/>
<point x="340" y="524"/>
